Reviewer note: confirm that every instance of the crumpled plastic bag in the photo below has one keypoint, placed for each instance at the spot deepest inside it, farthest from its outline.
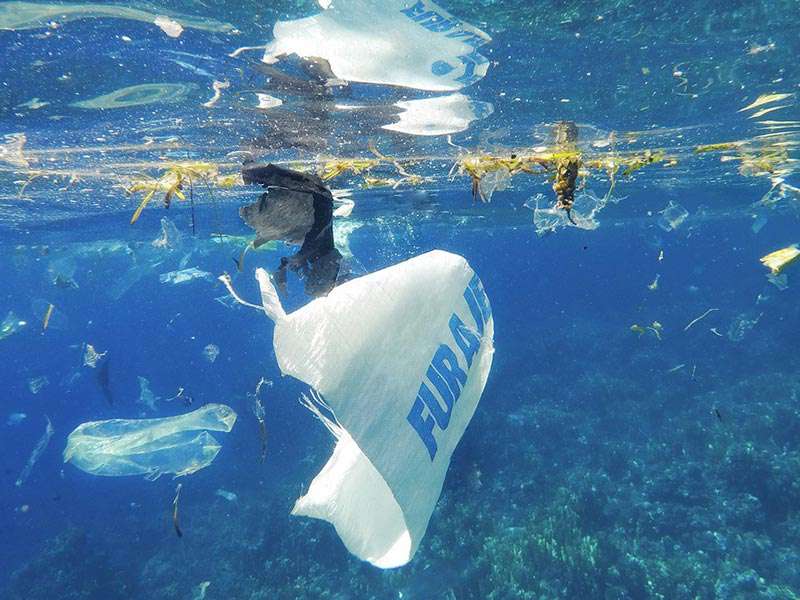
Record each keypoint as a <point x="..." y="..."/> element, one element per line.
<point x="409" y="43"/>
<point x="398" y="360"/>
<point x="149" y="447"/>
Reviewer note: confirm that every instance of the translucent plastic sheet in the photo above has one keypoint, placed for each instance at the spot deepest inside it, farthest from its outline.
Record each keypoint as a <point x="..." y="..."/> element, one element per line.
<point x="180" y="445"/>
<point x="439" y="116"/>
<point x="409" y="43"/>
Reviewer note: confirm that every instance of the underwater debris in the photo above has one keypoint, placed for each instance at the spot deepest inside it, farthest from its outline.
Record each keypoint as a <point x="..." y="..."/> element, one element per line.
<point x="92" y="356"/>
<point x="171" y="238"/>
<point x="199" y="592"/>
<point x="258" y="410"/>
<point x="779" y="281"/>
<point x="655" y="328"/>
<point x="180" y="445"/>
<point x="229" y="496"/>
<point x="41" y="446"/>
<point x="16" y="16"/>
<point x="441" y="115"/>
<point x="146" y="397"/>
<point x="217" y="86"/>
<point x="356" y="166"/>
<point x="365" y="490"/>
<point x="654" y="285"/>
<point x="210" y="352"/>
<point x="36" y="384"/>
<point x="742" y="324"/>
<point x="175" y="520"/>
<point x="700" y="318"/>
<point x="46" y="319"/>
<point x="169" y="26"/>
<point x="11" y="150"/>
<point x="296" y="208"/>
<point x="429" y="49"/>
<point x="672" y="216"/>
<point x="15" y="419"/>
<point x="777" y="261"/>
<point x="139" y="95"/>
<point x="184" y="276"/>
<point x="11" y="325"/>
<point x="566" y="166"/>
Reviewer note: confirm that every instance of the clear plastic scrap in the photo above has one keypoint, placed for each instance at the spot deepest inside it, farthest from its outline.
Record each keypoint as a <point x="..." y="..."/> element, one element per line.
<point x="414" y="44"/>
<point x="672" y="216"/>
<point x="548" y="218"/>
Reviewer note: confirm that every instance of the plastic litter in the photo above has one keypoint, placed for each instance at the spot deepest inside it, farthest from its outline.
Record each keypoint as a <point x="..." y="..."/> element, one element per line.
<point x="36" y="384"/>
<point x="672" y="216"/>
<point x="41" y="446"/>
<point x="184" y="276"/>
<point x="92" y="356"/>
<point x="408" y="43"/>
<point x="152" y="447"/>
<point x="229" y="496"/>
<point x="15" y="419"/>
<point x="210" y="352"/>
<point x="438" y="116"/>
<point x="10" y="325"/>
<point x="398" y="360"/>
<point x="169" y="26"/>
<point x="146" y="397"/>
<point x="11" y="150"/>
<point x="138" y="95"/>
<point x="777" y="261"/>
<point x="742" y="324"/>
<point x="547" y="218"/>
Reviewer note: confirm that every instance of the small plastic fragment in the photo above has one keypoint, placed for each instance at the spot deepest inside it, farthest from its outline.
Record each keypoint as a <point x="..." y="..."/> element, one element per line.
<point x="777" y="261"/>
<point x="184" y="275"/>
<point x="210" y="352"/>
<point x="229" y="496"/>
<point x="146" y="397"/>
<point x="36" y="384"/>
<point x="151" y="447"/>
<point x="171" y="238"/>
<point x="672" y="216"/>
<point x="92" y="356"/>
<point x="199" y="592"/>
<point x="10" y="325"/>
<point x="15" y="419"/>
<point x="494" y="181"/>
<point x="217" y="86"/>
<point x="741" y="325"/>
<point x="11" y="150"/>
<point x="41" y="446"/>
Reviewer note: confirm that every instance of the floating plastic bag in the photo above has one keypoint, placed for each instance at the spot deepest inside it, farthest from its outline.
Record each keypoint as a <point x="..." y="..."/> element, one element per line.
<point x="150" y="447"/>
<point x="410" y="43"/>
<point x="400" y="357"/>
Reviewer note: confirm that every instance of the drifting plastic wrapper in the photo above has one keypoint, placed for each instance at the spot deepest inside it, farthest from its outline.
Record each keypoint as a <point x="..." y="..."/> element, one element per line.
<point x="409" y="43"/>
<point x="150" y="447"/>
<point x="399" y="358"/>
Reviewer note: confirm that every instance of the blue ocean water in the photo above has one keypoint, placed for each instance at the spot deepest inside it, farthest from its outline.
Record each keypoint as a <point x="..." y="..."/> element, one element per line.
<point x="638" y="436"/>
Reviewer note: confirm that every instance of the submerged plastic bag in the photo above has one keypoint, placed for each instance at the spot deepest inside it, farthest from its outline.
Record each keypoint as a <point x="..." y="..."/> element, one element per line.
<point x="150" y="447"/>
<point x="410" y="43"/>
<point x="400" y="358"/>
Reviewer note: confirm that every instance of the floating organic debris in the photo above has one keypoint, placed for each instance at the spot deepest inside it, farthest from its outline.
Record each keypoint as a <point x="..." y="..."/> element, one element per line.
<point x="175" y="520"/>
<point x="672" y="216"/>
<point x="41" y="446"/>
<point x="777" y="261"/>
<point x="15" y="419"/>
<point x="30" y="15"/>
<point x="46" y="320"/>
<point x="179" y="445"/>
<point x="36" y="384"/>
<point x="210" y="352"/>
<point x="184" y="275"/>
<point x="138" y="95"/>
<point x="10" y="325"/>
<point x="92" y="356"/>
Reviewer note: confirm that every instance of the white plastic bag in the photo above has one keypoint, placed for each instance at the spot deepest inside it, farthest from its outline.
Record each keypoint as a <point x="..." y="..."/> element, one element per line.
<point x="410" y="43"/>
<point x="400" y="357"/>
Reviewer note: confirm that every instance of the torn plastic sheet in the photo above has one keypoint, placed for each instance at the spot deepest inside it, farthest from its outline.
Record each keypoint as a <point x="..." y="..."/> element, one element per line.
<point x="41" y="446"/>
<point x="439" y="116"/>
<point x="150" y="447"/>
<point x="399" y="358"/>
<point x="409" y="43"/>
<point x="547" y="217"/>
